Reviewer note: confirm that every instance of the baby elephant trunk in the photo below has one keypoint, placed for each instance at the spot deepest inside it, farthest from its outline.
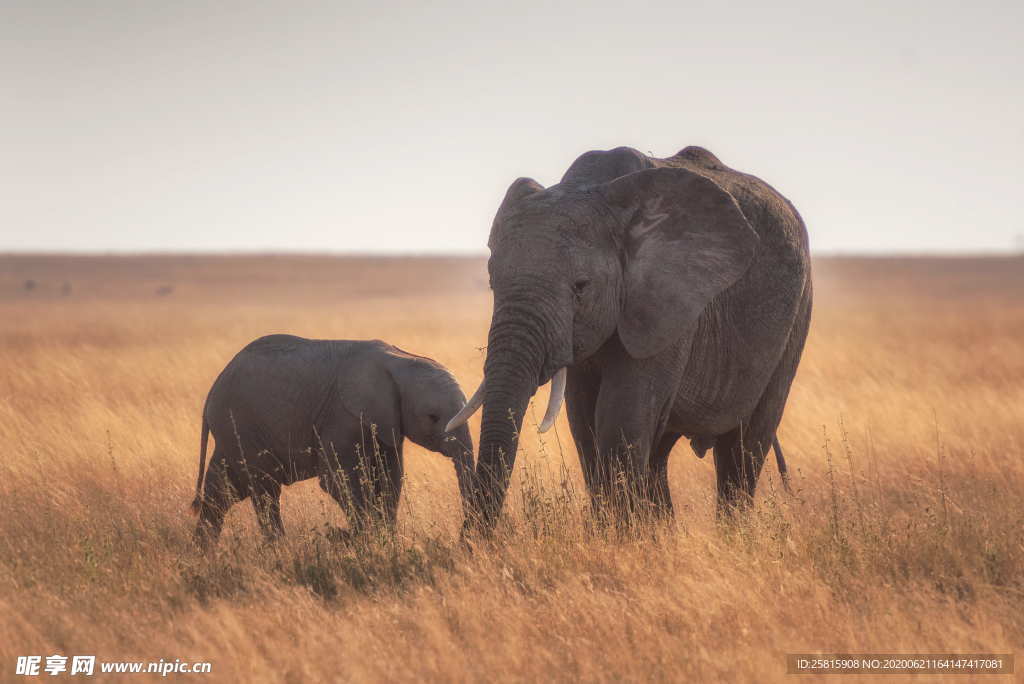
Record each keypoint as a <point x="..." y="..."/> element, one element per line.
<point x="458" y="446"/>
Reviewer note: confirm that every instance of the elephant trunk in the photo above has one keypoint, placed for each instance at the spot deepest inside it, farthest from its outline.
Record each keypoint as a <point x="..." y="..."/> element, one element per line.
<point x="459" y="448"/>
<point x="517" y="356"/>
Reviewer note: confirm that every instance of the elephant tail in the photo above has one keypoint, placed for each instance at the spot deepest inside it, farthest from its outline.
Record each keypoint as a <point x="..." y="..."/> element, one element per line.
<point x="781" y="461"/>
<point x="197" y="503"/>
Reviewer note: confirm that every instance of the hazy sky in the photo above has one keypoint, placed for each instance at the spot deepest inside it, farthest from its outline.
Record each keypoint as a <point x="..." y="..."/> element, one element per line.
<point x="375" y="126"/>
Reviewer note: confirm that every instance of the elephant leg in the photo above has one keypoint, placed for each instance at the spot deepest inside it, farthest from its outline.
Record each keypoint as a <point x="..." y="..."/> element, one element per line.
<point x="349" y="471"/>
<point x="657" y="475"/>
<point x="344" y="486"/>
<point x="627" y="421"/>
<point x="266" y="501"/>
<point x="581" y="407"/>
<point x="378" y="484"/>
<point x="633" y="406"/>
<point x="739" y="456"/>
<point x="218" y="497"/>
<point x="389" y="484"/>
<point x="337" y="484"/>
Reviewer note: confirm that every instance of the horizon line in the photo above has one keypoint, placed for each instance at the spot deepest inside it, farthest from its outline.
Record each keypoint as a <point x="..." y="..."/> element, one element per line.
<point x="412" y="254"/>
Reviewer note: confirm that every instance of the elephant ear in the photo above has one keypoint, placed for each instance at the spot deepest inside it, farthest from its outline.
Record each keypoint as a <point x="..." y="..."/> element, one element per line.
<point x="686" y="241"/>
<point x="368" y="393"/>
<point x="520" y="189"/>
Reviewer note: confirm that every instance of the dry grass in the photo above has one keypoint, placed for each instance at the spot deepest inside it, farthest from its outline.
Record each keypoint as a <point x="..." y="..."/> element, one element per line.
<point x="905" y="432"/>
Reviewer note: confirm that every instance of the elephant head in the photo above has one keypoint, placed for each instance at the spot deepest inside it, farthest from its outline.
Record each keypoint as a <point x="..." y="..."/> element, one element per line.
<point x="428" y="396"/>
<point x="639" y="254"/>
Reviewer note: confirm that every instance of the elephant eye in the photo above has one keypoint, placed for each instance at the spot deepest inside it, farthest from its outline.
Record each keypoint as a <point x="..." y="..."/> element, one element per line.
<point x="433" y="417"/>
<point x="580" y="285"/>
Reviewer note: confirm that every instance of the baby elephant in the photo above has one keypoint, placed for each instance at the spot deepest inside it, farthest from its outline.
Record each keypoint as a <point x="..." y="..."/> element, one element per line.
<point x="287" y="409"/>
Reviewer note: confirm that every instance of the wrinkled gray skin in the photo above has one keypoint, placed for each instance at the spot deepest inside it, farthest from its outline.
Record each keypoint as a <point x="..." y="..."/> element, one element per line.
<point x="677" y="292"/>
<point x="287" y="409"/>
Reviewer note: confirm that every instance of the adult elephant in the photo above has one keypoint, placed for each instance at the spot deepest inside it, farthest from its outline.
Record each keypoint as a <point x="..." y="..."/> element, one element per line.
<point x="664" y="297"/>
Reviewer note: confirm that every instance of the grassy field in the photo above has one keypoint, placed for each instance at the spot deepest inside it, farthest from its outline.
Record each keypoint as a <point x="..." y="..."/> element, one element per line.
<point x="904" y="434"/>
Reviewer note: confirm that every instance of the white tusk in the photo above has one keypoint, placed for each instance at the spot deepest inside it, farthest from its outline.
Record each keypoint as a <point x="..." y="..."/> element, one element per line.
<point x="471" y="407"/>
<point x="555" y="400"/>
